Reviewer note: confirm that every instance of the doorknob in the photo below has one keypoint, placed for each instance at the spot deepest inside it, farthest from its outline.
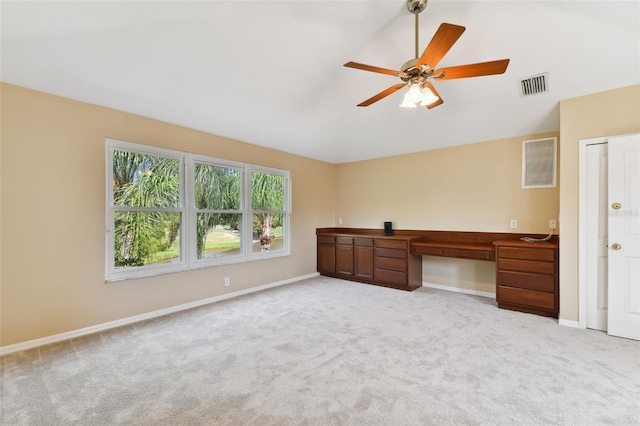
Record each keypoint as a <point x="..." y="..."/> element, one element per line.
<point x="616" y="206"/>
<point x="616" y="246"/>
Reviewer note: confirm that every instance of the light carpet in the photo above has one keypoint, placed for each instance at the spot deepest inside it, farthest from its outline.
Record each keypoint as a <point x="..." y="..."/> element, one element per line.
<point x="330" y="352"/>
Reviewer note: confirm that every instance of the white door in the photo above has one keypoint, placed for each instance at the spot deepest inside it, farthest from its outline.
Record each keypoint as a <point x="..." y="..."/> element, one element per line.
<point x="624" y="237"/>
<point x="596" y="230"/>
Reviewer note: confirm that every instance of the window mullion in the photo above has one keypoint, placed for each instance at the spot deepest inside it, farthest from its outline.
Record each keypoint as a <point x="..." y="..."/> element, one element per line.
<point x="248" y="212"/>
<point x="189" y="225"/>
<point x="146" y="209"/>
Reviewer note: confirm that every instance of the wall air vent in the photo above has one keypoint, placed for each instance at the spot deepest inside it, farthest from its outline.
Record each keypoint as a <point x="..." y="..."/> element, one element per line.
<point x="539" y="163"/>
<point x="534" y="85"/>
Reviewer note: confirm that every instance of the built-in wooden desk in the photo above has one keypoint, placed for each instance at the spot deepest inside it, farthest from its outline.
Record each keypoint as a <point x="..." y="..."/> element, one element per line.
<point x="524" y="270"/>
<point x="462" y="251"/>
<point x="463" y="245"/>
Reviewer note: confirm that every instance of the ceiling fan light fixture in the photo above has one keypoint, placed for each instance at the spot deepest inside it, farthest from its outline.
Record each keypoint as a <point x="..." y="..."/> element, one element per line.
<point x="412" y="97"/>
<point x="407" y="102"/>
<point x="428" y="97"/>
<point x="418" y="95"/>
<point x="414" y="92"/>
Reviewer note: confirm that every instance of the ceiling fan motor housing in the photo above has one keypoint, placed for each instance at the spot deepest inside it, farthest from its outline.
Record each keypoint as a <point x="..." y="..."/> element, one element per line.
<point x="413" y="74"/>
<point x="416" y="6"/>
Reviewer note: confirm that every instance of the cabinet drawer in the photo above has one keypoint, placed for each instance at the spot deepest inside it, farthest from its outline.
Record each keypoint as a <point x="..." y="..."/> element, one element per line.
<point x="526" y="280"/>
<point x="368" y="242"/>
<point x="344" y="240"/>
<point x="547" y="255"/>
<point x="429" y="251"/>
<point x="474" y="254"/>
<point x="326" y="239"/>
<point x="395" y="253"/>
<point x="393" y="244"/>
<point x="393" y="277"/>
<point x="526" y="266"/>
<point x="518" y="296"/>
<point x="391" y="263"/>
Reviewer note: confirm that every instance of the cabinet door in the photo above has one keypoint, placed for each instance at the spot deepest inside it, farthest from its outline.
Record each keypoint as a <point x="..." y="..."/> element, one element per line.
<point x="327" y="258"/>
<point x="363" y="259"/>
<point x="344" y="260"/>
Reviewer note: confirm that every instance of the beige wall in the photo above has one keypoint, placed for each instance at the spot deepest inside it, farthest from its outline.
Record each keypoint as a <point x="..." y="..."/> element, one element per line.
<point x="610" y="113"/>
<point x="53" y="217"/>
<point x="473" y="187"/>
<point x="52" y="213"/>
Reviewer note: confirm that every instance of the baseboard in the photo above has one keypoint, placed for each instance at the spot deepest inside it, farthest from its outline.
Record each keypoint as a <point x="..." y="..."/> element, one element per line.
<point x="4" y="350"/>
<point x="568" y="323"/>
<point x="460" y="290"/>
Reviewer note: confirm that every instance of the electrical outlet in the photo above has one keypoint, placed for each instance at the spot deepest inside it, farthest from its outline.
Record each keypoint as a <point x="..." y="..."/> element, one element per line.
<point x="552" y="224"/>
<point x="339" y="221"/>
<point x="513" y="224"/>
<point x="227" y="281"/>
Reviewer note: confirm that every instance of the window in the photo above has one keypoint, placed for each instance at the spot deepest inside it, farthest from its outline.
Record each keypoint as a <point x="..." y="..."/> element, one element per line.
<point x="146" y="210"/>
<point x="268" y="210"/>
<point x="218" y="216"/>
<point x="170" y="211"/>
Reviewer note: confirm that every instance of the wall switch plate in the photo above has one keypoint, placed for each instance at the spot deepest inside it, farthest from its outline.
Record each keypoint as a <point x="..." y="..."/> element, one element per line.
<point x="552" y="223"/>
<point x="513" y="224"/>
<point x="339" y="221"/>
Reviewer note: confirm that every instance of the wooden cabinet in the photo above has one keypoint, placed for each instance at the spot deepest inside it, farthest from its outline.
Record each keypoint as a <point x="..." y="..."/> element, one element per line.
<point x="363" y="258"/>
<point x="326" y="254"/>
<point x="527" y="277"/>
<point x="391" y="261"/>
<point x="372" y="259"/>
<point x="344" y="256"/>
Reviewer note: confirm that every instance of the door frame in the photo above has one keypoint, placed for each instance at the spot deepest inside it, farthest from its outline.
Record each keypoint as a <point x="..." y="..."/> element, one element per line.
<point x="582" y="226"/>
<point x="582" y="222"/>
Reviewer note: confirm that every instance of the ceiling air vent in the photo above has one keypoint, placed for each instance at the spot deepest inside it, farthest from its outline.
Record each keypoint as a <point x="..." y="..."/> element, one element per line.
<point x="534" y="85"/>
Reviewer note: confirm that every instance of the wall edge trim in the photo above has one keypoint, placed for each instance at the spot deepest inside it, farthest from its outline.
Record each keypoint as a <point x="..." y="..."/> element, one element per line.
<point x="569" y="323"/>
<point x="459" y="290"/>
<point x="30" y="344"/>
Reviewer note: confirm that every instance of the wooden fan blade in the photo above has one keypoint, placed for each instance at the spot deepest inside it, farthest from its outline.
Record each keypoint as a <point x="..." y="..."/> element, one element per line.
<point x="374" y="69"/>
<point x="382" y="94"/>
<point x="433" y="89"/>
<point x="473" y="70"/>
<point x="440" y="44"/>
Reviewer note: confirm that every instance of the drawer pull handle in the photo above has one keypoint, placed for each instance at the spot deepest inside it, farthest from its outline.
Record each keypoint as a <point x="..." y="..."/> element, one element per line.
<point x="616" y="206"/>
<point x="616" y="246"/>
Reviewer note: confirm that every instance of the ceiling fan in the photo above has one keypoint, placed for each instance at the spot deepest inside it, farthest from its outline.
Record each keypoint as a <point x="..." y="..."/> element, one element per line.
<point x="417" y="72"/>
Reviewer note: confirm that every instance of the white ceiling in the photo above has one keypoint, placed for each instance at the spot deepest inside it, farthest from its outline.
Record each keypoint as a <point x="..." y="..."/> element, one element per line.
<point x="270" y="72"/>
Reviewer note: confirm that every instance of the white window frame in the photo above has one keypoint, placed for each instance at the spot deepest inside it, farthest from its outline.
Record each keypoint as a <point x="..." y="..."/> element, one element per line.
<point x="286" y="212"/>
<point x="193" y="255"/>
<point x="188" y="213"/>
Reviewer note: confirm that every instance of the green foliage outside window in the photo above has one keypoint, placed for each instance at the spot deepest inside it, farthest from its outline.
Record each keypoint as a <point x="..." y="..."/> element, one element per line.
<point x="142" y="180"/>
<point x="147" y="219"/>
<point x="267" y="196"/>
